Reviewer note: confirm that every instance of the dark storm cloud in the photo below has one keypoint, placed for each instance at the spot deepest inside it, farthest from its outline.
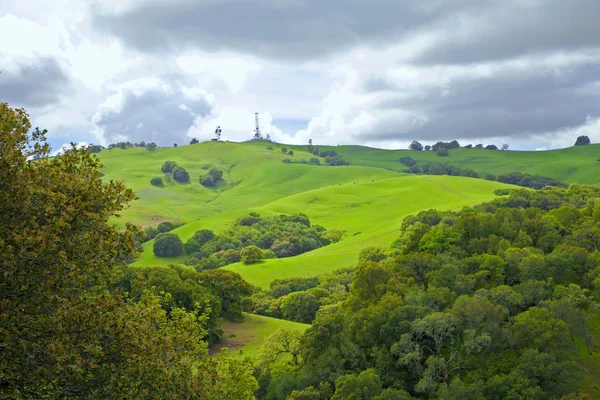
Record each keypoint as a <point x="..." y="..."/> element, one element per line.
<point x="505" y="31"/>
<point x="37" y="84"/>
<point x="152" y="115"/>
<point x="274" y="28"/>
<point x="493" y="107"/>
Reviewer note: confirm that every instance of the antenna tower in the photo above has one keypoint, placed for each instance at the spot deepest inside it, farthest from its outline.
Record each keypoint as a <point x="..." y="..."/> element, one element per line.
<point x="257" y="134"/>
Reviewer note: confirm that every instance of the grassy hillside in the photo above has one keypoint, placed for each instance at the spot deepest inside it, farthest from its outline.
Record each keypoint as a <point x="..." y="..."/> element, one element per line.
<point x="250" y="334"/>
<point x="371" y="213"/>
<point x="570" y="165"/>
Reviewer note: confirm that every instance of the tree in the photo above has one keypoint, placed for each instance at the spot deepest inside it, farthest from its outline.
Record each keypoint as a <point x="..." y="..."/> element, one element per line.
<point x="181" y="175"/>
<point x="64" y="333"/>
<point x="416" y="146"/>
<point x="505" y="146"/>
<point x="582" y="141"/>
<point x="365" y="386"/>
<point x="174" y="144"/>
<point x="284" y="150"/>
<point x="491" y="147"/>
<point x="479" y="146"/>
<point x="251" y="254"/>
<point x="168" y="167"/>
<point x="207" y="181"/>
<point x="165" y="226"/>
<point x="156" y="182"/>
<point x="291" y="152"/>
<point x="216" y="174"/>
<point x="428" y="147"/>
<point x="151" y="146"/>
<point x="442" y="152"/>
<point x="194" y="141"/>
<point x="283" y="341"/>
<point x="167" y="245"/>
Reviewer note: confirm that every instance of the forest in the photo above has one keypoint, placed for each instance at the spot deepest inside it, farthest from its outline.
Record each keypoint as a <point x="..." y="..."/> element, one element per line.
<point x="488" y="302"/>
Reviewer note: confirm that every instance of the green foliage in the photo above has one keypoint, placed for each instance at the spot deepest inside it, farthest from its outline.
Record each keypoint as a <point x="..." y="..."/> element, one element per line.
<point x="437" y="168"/>
<point x="251" y="254"/>
<point x="291" y="152"/>
<point x="194" y="141"/>
<point x="180" y="175"/>
<point x="213" y="177"/>
<point x="63" y="332"/>
<point x="582" y="141"/>
<point x="151" y="146"/>
<point x="165" y="226"/>
<point x="156" y="182"/>
<point x="416" y="146"/>
<point x="530" y="181"/>
<point x="442" y="152"/>
<point x="168" y="167"/>
<point x="502" y="192"/>
<point x="282" y="236"/>
<point x="167" y="245"/>
<point x="270" y="148"/>
<point x="482" y="303"/>
<point x="231" y="289"/>
<point x="408" y="161"/>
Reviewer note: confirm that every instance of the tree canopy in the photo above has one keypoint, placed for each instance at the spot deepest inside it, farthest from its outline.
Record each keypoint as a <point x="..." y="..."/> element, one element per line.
<point x="63" y="332"/>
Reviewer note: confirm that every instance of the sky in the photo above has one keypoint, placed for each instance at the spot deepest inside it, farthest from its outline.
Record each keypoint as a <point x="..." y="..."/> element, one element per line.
<point x="380" y="73"/>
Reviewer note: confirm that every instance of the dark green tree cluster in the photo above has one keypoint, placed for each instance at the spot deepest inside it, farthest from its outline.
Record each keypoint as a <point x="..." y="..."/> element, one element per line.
<point x="213" y="177"/>
<point x="194" y="141"/>
<point x="152" y="231"/>
<point x="530" y="181"/>
<point x="408" y="161"/>
<point x="215" y="294"/>
<point x="445" y="145"/>
<point x="582" y="141"/>
<point x="486" y="303"/>
<point x="299" y="299"/>
<point x="167" y="245"/>
<point x="156" y="181"/>
<point x="120" y="145"/>
<point x="277" y="236"/>
<point x="438" y="168"/>
<point x="63" y="332"/>
<point x="178" y="173"/>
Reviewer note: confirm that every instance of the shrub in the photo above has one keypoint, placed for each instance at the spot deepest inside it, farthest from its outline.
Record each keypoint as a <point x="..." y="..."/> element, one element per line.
<point x="168" y="167"/>
<point x="216" y="174"/>
<point x="207" y="181"/>
<point x="428" y="147"/>
<point x="582" y="141"/>
<point x="251" y="254"/>
<point x="490" y="177"/>
<point x="166" y="226"/>
<point x="502" y="192"/>
<point x="416" y="146"/>
<point x="156" y="182"/>
<point x="291" y="152"/>
<point x="442" y="152"/>
<point x="314" y="161"/>
<point x="194" y="141"/>
<point x="181" y="175"/>
<point x="284" y="150"/>
<point x="167" y="245"/>
<point x="408" y="161"/>
<point x="270" y="148"/>
<point x="207" y="166"/>
<point x="151" y="233"/>
<point x="491" y="147"/>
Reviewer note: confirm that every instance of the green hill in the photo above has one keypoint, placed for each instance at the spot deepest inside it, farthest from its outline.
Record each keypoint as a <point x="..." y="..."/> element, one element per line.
<point x="368" y="199"/>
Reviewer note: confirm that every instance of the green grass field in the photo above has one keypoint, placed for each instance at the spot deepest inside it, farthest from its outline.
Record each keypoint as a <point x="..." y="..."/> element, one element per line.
<point x="250" y="334"/>
<point x="367" y="199"/>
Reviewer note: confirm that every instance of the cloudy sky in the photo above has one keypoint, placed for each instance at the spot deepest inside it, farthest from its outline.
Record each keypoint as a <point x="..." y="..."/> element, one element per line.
<point x="380" y="72"/>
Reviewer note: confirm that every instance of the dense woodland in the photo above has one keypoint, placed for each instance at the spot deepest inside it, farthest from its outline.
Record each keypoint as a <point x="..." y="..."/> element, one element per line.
<point x="63" y="332"/>
<point x="277" y="236"/>
<point x="485" y="303"/>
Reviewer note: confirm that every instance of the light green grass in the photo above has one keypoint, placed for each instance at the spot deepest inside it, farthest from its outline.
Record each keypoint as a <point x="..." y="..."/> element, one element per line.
<point x="570" y="165"/>
<point x="251" y="334"/>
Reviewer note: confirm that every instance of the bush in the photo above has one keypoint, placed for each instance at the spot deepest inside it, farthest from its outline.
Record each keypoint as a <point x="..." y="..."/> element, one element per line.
<point x="167" y="245"/>
<point x="314" y="161"/>
<point x="207" y="166"/>
<point x="428" y="147"/>
<point x="251" y="254"/>
<point x="151" y="233"/>
<point x="582" y="141"/>
<point x="168" y="167"/>
<point x="166" y="226"/>
<point x="408" y="161"/>
<point x="291" y="152"/>
<point x="207" y="181"/>
<point x="490" y="177"/>
<point x="270" y="148"/>
<point x="181" y="175"/>
<point x="416" y="146"/>
<point x="216" y="174"/>
<point x="502" y="192"/>
<point x="156" y="182"/>
<point x="194" y="141"/>
<point x="442" y="152"/>
<point x="284" y="150"/>
<point x="491" y="147"/>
